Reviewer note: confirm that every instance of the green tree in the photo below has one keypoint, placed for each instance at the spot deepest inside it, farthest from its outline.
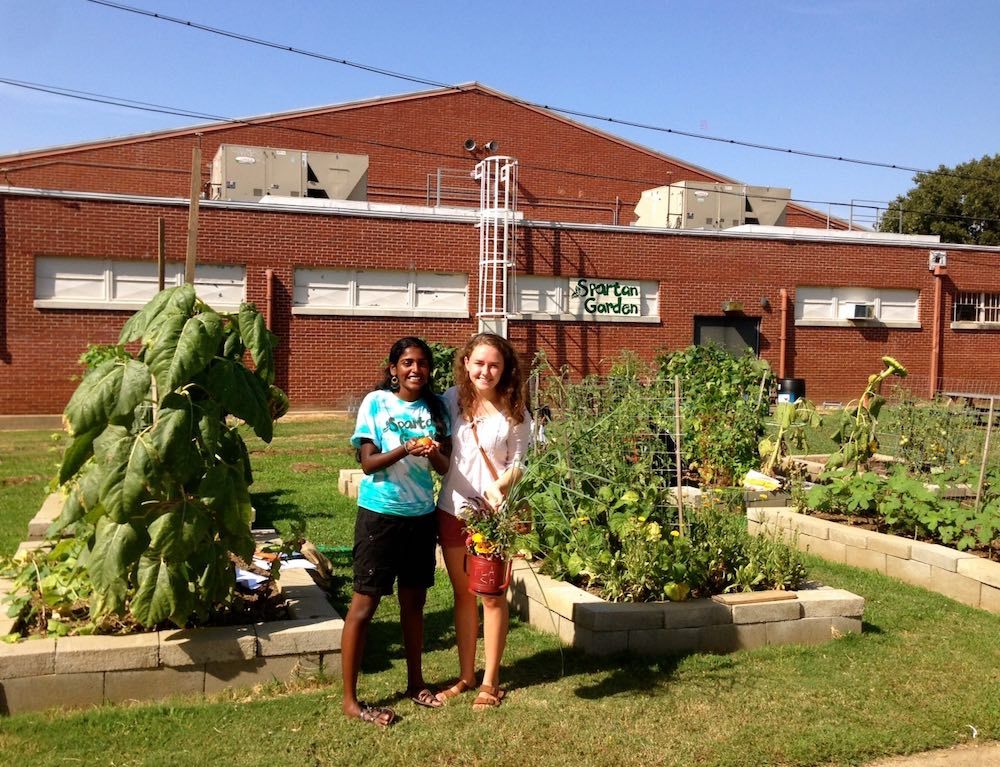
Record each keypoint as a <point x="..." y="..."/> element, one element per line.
<point x="961" y="204"/>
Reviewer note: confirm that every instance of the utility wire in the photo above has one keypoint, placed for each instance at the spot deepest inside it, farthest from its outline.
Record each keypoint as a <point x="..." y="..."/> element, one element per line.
<point x="146" y="106"/>
<point x="550" y="107"/>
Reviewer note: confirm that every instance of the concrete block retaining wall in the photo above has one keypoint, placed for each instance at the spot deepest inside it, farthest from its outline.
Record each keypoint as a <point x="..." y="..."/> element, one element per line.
<point x="722" y="624"/>
<point x="80" y="671"/>
<point x="964" y="577"/>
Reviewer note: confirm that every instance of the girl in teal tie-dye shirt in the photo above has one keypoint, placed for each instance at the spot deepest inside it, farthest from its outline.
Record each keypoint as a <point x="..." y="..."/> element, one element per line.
<point x="401" y="434"/>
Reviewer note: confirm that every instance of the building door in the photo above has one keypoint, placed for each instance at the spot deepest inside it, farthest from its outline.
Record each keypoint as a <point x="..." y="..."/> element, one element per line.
<point x="734" y="334"/>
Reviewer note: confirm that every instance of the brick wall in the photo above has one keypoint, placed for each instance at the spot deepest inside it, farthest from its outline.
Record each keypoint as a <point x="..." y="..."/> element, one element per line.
<point x="566" y="172"/>
<point x="331" y="361"/>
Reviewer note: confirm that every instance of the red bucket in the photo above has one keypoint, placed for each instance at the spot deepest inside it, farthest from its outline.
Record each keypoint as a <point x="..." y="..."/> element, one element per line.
<point x="488" y="576"/>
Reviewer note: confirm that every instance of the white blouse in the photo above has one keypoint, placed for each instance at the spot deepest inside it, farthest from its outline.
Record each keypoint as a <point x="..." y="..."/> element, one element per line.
<point x="468" y="476"/>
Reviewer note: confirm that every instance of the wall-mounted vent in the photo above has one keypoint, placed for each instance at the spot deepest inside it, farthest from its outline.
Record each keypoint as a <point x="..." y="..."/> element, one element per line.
<point x="249" y="173"/>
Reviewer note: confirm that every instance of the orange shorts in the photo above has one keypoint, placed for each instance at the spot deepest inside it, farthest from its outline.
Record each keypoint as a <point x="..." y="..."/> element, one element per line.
<point x="451" y="530"/>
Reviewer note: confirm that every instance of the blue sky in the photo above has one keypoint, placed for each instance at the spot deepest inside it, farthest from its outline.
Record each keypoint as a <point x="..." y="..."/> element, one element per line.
<point x="910" y="82"/>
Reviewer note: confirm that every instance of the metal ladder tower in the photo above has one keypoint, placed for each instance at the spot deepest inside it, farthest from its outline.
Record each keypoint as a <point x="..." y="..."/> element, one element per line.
<point x="497" y="178"/>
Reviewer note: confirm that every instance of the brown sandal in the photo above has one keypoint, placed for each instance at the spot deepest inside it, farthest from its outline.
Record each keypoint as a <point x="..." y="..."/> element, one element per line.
<point x="454" y="691"/>
<point x="488" y="697"/>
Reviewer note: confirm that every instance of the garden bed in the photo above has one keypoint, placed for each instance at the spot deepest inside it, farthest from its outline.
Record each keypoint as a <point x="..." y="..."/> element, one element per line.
<point x="722" y="624"/>
<point x="962" y="576"/>
<point x="76" y="671"/>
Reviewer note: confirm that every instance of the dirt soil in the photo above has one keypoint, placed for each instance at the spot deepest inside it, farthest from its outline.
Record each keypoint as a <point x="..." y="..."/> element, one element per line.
<point x="971" y="755"/>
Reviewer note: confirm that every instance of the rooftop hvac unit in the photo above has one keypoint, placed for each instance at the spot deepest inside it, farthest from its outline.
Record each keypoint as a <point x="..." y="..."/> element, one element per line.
<point x="711" y="205"/>
<point x="250" y="173"/>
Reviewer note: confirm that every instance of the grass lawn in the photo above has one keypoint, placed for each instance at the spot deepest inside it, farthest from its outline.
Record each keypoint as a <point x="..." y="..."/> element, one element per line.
<point x="924" y="668"/>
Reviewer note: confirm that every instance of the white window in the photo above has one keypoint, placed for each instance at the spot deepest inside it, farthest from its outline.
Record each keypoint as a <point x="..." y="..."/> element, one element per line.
<point x="380" y="294"/>
<point x="94" y="283"/>
<point x="845" y="306"/>
<point x="978" y="308"/>
<point x="586" y="298"/>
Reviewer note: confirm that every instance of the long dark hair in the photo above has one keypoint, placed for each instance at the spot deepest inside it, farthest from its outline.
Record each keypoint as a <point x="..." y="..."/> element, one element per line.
<point x="510" y="387"/>
<point x="427" y="393"/>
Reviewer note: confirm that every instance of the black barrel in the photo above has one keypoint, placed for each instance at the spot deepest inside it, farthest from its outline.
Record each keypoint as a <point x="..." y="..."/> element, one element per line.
<point x="791" y="389"/>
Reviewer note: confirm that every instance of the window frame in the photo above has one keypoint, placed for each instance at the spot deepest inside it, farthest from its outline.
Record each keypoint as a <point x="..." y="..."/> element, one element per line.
<point x="354" y="278"/>
<point x="842" y="297"/>
<point x="105" y="274"/>
<point x="985" y="303"/>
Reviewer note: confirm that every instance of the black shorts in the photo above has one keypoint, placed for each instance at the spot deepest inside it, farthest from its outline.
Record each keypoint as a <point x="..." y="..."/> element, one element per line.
<point x="389" y="548"/>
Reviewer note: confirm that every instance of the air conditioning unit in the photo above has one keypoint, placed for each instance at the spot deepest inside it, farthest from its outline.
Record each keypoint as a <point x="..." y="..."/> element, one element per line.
<point x="863" y="312"/>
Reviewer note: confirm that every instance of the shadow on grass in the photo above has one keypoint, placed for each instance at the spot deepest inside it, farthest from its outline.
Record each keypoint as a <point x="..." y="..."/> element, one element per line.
<point x="270" y="507"/>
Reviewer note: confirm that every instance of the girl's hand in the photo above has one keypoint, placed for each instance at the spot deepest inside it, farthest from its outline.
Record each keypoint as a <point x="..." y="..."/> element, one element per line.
<point x="421" y="446"/>
<point x="494" y="496"/>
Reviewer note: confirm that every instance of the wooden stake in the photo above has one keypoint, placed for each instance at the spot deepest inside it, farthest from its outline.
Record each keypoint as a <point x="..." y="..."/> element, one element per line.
<point x="192" y="241"/>
<point x="677" y="453"/>
<point x="161" y="265"/>
<point x="986" y="450"/>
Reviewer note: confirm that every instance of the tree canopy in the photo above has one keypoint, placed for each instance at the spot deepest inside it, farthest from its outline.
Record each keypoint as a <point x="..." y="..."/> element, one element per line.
<point x="961" y="204"/>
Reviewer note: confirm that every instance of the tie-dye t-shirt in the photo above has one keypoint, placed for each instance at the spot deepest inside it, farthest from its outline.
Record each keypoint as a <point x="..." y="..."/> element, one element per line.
<point x="405" y="488"/>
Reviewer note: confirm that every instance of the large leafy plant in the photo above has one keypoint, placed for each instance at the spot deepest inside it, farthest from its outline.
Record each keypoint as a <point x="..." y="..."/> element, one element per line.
<point x="156" y="474"/>
<point x="723" y="409"/>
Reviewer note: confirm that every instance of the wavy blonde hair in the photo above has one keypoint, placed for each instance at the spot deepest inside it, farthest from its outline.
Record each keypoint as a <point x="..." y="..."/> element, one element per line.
<point x="510" y="387"/>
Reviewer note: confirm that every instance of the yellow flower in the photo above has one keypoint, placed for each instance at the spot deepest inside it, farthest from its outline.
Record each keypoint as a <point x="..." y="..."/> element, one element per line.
<point x="478" y="538"/>
<point x="484" y="548"/>
<point x="674" y="534"/>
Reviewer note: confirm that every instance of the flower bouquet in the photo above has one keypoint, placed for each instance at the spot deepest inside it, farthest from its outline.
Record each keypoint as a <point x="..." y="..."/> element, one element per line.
<point x="493" y="539"/>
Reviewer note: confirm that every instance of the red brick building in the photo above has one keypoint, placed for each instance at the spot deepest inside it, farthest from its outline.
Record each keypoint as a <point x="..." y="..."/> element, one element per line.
<point x="341" y="280"/>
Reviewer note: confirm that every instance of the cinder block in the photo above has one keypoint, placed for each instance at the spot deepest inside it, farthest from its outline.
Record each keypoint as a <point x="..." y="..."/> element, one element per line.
<point x="827" y="603"/>
<point x="247" y="673"/>
<point x="766" y="612"/>
<point x="694" y="613"/>
<point x="25" y="546"/>
<point x="563" y="598"/>
<point x="892" y="545"/>
<point x="611" y="616"/>
<point x="729" y="638"/>
<point x="982" y="570"/>
<point x="600" y="642"/>
<point x="804" y="631"/>
<point x="192" y="647"/>
<point x="314" y="606"/>
<point x="331" y="664"/>
<point x="811" y="526"/>
<point x="841" y="626"/>
<point x="909" y="570"/>
<point x="663" y="641"/>
<point x="958" y="587"/>
<point x="940" y="557"/>
<point x="31" y="658"/>
<point x="296" y="637"/>
<point x="542" y="619"/>
<point x="35" y="693"/>
<point x="852" y="537"/>
<point x="153" y="684"/>
<point x="51" y="508"/>
<point x="832" y="551"/>
<point x="78" y="654"/>
<point x="989" y="598"/>
<point x="863" y="558"/>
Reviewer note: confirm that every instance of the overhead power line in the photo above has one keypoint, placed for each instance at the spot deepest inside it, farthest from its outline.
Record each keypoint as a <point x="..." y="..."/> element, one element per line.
<point x="551" y="107"/>
<point x="146" y="106"/>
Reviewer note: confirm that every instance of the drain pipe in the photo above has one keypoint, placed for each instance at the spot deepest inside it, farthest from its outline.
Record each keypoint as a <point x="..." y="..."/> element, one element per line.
<point x="937" y="330"/>
<point x="268" y="296"/>
<point x="783" y="333"/>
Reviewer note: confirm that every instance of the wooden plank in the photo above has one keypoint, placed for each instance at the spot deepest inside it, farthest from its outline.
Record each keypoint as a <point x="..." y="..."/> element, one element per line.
<point x="750" y="597"/>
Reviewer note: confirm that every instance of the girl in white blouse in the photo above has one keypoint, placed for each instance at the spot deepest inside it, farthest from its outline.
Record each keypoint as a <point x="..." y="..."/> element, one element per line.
<point x="489" y="395"/>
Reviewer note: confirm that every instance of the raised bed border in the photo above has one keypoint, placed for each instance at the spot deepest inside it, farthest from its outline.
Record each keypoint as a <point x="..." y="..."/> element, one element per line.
<point x="78" y="671"/>
<point x="723" y="624"/>
<point x="964" y="577"/>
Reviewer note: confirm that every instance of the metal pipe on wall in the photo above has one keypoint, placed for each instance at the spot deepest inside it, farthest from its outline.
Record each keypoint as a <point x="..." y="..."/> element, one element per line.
<point x="783" y="333"/>
<point x="936" y="332"/>
<point x="268" y="296"/>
